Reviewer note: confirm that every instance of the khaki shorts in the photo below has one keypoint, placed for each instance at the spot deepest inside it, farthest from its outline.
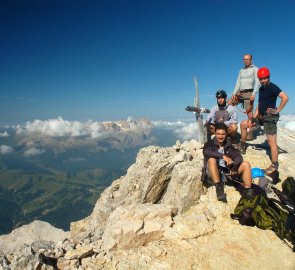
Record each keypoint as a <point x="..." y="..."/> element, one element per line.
<point x="269" y="122"/>
<point x="246" y="99"/>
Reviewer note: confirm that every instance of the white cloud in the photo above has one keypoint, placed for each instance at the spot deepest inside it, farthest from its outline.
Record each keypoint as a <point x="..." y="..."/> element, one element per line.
<point x="59" y="134"/>
<point x="170" y="124"/>
<point x="33" y="152"/>
<point x="5" y="149"/>
<point x="4" y="134"/>
<point x="188" y="132"/>
<point x="183" y="129"/>
<point x="61" y="128"/>
<point x="287" y="121"/>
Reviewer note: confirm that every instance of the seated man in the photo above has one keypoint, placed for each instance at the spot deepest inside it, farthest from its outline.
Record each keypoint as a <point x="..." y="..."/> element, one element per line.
<point x="222" y="113"/>
<point x="220" y="155"/>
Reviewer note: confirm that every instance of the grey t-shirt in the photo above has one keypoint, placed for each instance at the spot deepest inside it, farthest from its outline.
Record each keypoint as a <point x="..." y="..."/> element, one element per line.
<point x="247" y="79"/>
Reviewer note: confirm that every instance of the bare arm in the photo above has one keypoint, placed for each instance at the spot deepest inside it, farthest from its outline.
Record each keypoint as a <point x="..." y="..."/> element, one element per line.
<point x="256" y="111"/>
<point x="284" y="100"/>
<point x="237" y="87"/>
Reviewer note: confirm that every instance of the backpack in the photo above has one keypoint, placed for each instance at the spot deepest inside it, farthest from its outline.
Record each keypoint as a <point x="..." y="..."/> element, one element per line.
<point x="288" y="187"/>
<point x="263" y="213"/>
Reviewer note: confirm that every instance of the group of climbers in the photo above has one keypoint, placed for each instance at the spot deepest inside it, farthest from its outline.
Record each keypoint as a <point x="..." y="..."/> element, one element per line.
<point x="272" y="209"/>
<point x="223" y="152"/>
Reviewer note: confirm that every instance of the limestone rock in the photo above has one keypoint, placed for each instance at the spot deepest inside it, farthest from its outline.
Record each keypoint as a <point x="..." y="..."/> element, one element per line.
<point x="160" y="175"/>
<point x="205" y="237"/>
<point x="137" y="225"/>
<point x="27" y="234"/>
<point x="134" y="224"/>
<point x="79" y="253"/>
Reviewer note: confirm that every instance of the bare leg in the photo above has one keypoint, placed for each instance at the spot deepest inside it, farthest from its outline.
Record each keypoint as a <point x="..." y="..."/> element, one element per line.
<point x="213" y="169"/>
<point x="245" y="170"/>
<point x="244" y="126"/>
<point x="272" y="141"/>
<point x="232" y="131"/>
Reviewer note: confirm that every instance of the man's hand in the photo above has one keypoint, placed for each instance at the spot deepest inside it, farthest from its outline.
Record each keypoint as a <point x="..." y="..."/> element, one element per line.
<point x="252" y="98"/>
<point x="251" y="122"/>
<point x="233" y="171"/>
<point x="228" y="160"/>
<point x="272" y="111"/>
<point x="233" y="100"/>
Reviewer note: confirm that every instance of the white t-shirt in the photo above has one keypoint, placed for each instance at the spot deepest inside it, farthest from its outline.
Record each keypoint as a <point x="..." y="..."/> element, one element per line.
<point x="221" y="161"/>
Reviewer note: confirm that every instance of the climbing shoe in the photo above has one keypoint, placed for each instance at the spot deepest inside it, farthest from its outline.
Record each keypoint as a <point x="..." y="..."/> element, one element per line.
<point x="242" y="148"/>
<point x="221" y="196"/>
<point x="270" y="170"/>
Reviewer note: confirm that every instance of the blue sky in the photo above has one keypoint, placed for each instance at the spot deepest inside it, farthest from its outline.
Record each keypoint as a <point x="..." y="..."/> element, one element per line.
<point x="107" y="60"/>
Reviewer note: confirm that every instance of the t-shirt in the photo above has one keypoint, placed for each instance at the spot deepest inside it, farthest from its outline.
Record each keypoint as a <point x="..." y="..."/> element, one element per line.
<point x="226" y="115"/>
<point x="221" y="161"/>
<point x="247" y="79"/>
<point x="268" y="97"/>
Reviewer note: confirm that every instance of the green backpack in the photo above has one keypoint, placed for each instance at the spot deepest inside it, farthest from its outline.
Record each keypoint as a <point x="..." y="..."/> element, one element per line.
<point x="288" y="187"/>
<point x="263" y="213"/>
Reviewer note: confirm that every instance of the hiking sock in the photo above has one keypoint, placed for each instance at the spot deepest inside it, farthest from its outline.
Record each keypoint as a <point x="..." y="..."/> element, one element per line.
<point x="243" y="144"/>
<point x="221" y="196"/>
<point x="275" y="164"/>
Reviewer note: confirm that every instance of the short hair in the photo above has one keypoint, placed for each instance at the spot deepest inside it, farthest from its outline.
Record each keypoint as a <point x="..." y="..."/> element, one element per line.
<point x="220" y="126"/>
<point x="249" y="55"/>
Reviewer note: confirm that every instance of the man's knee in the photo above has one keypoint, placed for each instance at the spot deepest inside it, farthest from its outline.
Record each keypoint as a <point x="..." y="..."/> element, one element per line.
<point x="246" y="165"/>
<point x="212" y="161"/>
<point x="244" y="124"/>
<point x="233" y="128"/>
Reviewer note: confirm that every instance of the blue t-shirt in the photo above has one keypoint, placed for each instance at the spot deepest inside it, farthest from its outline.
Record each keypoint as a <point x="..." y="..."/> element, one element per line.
<point x="268" y="97"/>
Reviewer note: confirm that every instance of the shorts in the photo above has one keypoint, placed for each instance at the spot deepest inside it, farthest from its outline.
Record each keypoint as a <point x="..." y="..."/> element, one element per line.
<point x="246" y="99"/>
<point x="269" y="122"/>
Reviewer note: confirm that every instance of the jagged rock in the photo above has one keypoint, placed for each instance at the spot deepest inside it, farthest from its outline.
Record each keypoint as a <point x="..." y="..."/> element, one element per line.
<point x="79" y="253"/>
<point x="205" y="237"/>
<point x="27" y="234"/>
<point x="132" y="226"/>
<point x="137" y="225"/>
<point x="160" y="175"/>
<point x="97" y="263"/>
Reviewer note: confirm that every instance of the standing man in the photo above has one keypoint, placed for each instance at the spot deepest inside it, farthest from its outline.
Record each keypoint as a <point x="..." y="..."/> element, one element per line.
<point x="222" y="113"/>
<point x="247" y="86"/>
<point x="266" y="114"/>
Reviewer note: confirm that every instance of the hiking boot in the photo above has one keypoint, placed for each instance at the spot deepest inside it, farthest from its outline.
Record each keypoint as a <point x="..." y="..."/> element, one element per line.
<point x="221" y="196"/>
<point x="250" y="136"/>
<point x="242" y="148"/>
<point x="270" y="170"/>
<point x="248" y="193"/>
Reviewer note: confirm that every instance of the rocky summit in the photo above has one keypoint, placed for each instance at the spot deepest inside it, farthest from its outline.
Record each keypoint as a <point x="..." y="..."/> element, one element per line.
<point x="159" y="216"/>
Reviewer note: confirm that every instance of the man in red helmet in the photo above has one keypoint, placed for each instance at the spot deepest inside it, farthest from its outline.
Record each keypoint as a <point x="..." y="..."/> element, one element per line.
<point x="266" y="114"/>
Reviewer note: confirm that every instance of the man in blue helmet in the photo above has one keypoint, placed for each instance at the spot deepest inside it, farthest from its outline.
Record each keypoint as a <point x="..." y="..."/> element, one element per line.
<point x="225" y="113"/>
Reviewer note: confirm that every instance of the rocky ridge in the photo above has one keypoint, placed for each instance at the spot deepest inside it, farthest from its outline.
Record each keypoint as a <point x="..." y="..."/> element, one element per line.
<point x="159" y="216"/>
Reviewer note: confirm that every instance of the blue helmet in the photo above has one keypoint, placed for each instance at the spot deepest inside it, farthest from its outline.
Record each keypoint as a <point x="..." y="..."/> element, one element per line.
<point x="257" y="172"/>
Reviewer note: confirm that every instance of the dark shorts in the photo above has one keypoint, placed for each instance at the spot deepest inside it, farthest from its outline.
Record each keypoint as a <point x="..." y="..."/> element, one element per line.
<point x="269" y="122"/>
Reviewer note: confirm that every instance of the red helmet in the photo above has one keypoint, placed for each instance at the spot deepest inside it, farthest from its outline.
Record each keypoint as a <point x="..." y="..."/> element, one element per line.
<point x="263" y="72"/>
